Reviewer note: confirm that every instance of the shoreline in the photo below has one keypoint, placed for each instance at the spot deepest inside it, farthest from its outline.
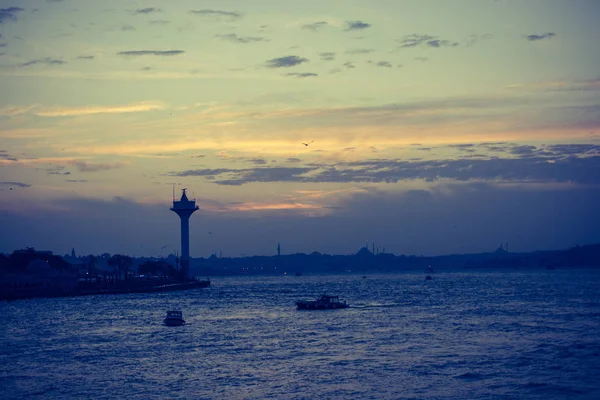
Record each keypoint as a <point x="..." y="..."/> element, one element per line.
<point x="33" y="293"/>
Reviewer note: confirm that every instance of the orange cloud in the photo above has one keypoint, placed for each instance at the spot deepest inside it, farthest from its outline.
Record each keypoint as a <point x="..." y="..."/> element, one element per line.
<point x="88" y="110"/>
<point x="274" y="206"/>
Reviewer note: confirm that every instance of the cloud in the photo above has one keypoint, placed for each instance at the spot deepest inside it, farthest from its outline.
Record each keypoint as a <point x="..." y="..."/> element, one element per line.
<point x="85" y="57"/>
<point x="3" y="44"/>
<point x="44" y="61"/>
<point x="242" y="176"/>
<point x="232" y="37"/>
<point x="257" y="161"/>
<point x="302" y="74"/>
<point x="475" y="114"/>
<point x="9" y="14"/>
<point x="349" y="65"/>
<point x="560" y="85"/>
<point x="5" y="156"/>
<point x="148" y="10"/>
<point x="441" y="43"/>
<point x="473" y="38"/>
<point x="160" y="22"/>
<point x="534" y="37"/>
<point x="10" y="111"/>
<point x="89" y="110"/>
<point x="385" y="64"/>
<point x="218" y="14"/>
<point x="128" y="28"/>
<point x="59" y="170"/>
<point x="550" y="164"/>
<point x="422" y="59"/>
<point x="522" y="169"/>
<point x="136" y="53"/>
<point x="203" y="172"/>
<point x="523" y="150"/>
<point x="462" y="146"/>
<point x="84" y="166"/>
<point x="327" y="56"/>
<point x="356" y="25"/>
<point x="360" y="51"/>
<point x="279" y="206"/>
<point x="18" y="184"/>
<point x="315" y="26"/>
<point x="577" y="149"/>
<point x="415" y="40"/>
<point x="285" y="62"/>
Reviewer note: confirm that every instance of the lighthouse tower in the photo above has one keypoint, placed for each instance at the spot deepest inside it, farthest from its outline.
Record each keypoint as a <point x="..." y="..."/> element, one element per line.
<point x="185" y="208"/>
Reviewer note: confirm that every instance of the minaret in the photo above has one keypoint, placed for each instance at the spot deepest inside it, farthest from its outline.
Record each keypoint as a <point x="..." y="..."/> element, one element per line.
<point x="185" y="208"/>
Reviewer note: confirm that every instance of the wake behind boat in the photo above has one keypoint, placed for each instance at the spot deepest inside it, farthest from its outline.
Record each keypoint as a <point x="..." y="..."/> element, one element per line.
<point x="323" y="302"/>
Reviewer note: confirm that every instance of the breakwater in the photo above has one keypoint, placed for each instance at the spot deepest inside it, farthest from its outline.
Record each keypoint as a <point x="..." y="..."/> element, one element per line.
<point x="89" y="289"/>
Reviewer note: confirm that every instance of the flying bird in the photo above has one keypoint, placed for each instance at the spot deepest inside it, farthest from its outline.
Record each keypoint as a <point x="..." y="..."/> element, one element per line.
<point x="306" y="144"/>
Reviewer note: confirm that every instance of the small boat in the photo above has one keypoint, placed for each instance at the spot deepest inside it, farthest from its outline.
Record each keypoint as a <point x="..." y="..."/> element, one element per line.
<point x="324" y="302"/>
<point x="174" y="318"/>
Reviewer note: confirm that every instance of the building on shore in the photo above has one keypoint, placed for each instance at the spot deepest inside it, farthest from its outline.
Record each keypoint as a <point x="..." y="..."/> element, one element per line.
<point x="37" y="279"/>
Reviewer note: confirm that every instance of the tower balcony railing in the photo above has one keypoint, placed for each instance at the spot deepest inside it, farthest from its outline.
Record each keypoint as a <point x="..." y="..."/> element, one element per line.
<point x="179" y="205"/>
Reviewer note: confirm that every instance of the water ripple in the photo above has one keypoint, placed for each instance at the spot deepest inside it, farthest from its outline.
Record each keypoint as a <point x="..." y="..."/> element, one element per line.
<point x="461" y="335"/>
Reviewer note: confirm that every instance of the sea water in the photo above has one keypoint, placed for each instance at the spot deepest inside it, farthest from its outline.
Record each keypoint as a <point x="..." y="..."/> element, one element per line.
<point x="486" y="335"/>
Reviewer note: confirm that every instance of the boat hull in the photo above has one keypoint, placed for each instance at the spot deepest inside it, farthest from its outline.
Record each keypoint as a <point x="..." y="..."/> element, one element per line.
<point x="174" y="322"/>
<point x="313" y="306"/>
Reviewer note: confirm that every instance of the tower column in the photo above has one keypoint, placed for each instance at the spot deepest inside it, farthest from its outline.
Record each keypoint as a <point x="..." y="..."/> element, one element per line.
<point x="185" y="242"/>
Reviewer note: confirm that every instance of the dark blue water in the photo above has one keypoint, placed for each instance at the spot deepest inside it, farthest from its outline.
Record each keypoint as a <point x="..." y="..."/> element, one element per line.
<point x="519" y="335"/>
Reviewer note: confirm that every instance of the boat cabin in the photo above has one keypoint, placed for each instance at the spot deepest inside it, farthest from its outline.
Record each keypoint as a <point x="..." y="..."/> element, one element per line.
<point x="174" y="314"/>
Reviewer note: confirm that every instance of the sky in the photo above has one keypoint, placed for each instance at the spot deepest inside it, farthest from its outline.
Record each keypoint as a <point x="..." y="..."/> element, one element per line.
<point x="426" y="127"/>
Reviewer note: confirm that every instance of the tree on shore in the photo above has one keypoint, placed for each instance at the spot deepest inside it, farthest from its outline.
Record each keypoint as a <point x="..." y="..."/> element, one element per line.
<point x="160" y="268"/>
<point x="121" y="265"/>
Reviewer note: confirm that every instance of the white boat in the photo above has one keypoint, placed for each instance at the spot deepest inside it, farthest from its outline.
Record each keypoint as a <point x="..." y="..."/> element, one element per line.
<point x="174" y="318"/>
<point x="324" y="302"/>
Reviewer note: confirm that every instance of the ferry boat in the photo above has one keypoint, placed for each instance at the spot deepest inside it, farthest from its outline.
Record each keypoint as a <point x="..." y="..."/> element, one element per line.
<point x="324" y="302"/>
<point x="174" y="318"/>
